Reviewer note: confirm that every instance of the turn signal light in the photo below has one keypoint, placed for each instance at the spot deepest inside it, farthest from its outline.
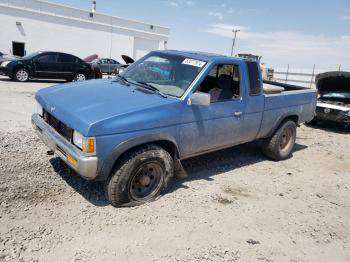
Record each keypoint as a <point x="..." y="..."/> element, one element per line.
<point x="89" y="145"/>
<point x="71" y="160"/>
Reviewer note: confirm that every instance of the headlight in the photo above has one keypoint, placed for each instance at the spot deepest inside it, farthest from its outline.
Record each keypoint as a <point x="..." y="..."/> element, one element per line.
<point x="86" y="144"/>
<point x="348" y="113"/>
<point x="4" y="64"/>
<point x="39" y="109"/>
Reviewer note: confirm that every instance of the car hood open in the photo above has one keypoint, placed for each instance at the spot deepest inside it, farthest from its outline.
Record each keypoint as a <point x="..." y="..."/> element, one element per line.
<point x="90" y="58"/>
<point x="336" y="81"/>
<point x="128" y="59"/>
<point x="80" y="105"/>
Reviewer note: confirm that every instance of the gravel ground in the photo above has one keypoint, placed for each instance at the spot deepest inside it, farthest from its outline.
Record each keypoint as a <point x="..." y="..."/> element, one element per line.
<point x="235" y="205"/>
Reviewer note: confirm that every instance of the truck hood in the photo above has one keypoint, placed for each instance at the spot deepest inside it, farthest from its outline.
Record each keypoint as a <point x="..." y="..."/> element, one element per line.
<point x="336" y="81"/>
<point x="82" y="105"/>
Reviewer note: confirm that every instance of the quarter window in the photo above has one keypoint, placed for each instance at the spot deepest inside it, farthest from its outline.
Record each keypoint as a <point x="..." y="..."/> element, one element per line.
<point x="255" y="87"/>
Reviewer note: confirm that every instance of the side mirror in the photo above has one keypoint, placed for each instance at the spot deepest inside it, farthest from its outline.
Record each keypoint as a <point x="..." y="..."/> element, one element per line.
<point x="199" y="99"/>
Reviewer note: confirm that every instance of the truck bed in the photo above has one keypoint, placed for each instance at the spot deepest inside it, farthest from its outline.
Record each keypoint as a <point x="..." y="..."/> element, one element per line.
<point x="282" y="99"/>
<point x="272" y="87"/>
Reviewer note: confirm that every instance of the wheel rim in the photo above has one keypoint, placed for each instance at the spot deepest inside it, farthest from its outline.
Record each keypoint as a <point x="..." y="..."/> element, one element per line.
<point x="22" y="75"/>
<point x="146" y="181"/>
<point x="80" y="77"/>
<point x="287" y="139"/>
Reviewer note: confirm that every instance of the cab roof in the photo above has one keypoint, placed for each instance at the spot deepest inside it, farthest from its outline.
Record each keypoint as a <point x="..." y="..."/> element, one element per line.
<point x="202" y="55"/>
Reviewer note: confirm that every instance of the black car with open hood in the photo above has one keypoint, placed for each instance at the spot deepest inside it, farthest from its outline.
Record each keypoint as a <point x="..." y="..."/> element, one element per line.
<point x="334" y="97"/>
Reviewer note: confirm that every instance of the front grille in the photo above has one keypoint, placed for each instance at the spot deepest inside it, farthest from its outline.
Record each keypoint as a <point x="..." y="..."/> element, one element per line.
<point x="60" y="127"/>
<point x="328" y="111"/>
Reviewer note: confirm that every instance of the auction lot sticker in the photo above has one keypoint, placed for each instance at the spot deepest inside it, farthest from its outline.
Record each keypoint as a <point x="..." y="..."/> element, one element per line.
<point x="193" y="62"/>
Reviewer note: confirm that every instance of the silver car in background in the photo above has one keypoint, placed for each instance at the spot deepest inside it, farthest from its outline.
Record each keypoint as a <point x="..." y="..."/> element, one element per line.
<point x="107" y="65"/>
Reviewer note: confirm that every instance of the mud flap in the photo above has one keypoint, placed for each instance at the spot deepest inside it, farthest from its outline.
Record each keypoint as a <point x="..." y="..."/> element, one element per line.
<point x="179" y="171"/>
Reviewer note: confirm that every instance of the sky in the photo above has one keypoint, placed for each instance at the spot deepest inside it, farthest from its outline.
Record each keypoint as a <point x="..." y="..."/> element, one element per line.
<point x="300" y="33"/>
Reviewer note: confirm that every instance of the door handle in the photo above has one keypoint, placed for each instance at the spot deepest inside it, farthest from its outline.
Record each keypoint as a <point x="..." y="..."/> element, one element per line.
<point x="237" y="113"/>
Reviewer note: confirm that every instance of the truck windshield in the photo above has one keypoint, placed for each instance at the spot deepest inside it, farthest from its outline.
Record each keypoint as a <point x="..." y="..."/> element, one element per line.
<point x="337" y="95"/>
<point x="170" y="74"/>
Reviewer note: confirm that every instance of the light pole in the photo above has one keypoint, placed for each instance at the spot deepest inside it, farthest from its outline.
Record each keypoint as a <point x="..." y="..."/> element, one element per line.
<point x="234" y="39"/>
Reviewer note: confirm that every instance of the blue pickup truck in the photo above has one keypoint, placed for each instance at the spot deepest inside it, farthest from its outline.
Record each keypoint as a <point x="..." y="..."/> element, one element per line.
<point x="132" y="131"/>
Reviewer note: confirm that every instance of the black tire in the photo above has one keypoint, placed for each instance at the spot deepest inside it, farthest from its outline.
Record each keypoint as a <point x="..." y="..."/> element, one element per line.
<point x="141" y="176"/>
<point x="280" y="145"/>
<point x="80" y="76"/>
<point x="21" y="75"/>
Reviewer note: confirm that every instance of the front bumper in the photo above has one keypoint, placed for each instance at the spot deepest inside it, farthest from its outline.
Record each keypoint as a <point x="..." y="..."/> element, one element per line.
<point x="86" y="166"/>
<point x="332" y="115"/>
<point x="3" y="71"/>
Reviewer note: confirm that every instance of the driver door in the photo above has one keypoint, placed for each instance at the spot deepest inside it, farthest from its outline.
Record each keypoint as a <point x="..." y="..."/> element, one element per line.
<point x="220" y="124"/>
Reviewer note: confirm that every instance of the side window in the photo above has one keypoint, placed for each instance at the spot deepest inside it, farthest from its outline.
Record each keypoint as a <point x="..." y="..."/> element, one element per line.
<point x="111" y="61"/>
<point x="47" y="58"/>
<point x="222" y="83"/>
<point x="255" y="87"/>
<point x="213" y="72"/>
<point x="65" y="58"/>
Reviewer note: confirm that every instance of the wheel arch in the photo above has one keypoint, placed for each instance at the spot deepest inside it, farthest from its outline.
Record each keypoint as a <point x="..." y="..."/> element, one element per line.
<point x="284" y="118"/>
<point x="15" y="68"/>
<point x="109" y="164"/>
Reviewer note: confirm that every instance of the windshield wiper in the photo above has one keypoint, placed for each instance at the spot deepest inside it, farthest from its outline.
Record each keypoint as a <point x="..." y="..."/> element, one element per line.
<point x="123" y="80"/>
<point x="151" y="87"/>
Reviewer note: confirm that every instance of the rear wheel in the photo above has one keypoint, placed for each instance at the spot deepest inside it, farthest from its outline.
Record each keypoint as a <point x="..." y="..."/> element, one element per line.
<point x="281" y="144"/>
<point x="21" y="75"/>
<point x="80" y="77"/>
<point x="141" y="176"/>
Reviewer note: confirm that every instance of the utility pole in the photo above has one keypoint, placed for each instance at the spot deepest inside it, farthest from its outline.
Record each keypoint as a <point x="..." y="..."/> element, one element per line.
<point x="93" y="9"/>
<point x="234" y="39"/>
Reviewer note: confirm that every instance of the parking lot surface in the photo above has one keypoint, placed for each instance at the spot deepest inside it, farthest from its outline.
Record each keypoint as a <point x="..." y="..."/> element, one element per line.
<point x="235" y="205"/>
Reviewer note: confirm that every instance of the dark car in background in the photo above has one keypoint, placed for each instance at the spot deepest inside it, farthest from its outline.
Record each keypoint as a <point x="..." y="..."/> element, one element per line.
<point x="47" y="65"/>
<point x="107" y="65"/>
<point x="333" y="104"/>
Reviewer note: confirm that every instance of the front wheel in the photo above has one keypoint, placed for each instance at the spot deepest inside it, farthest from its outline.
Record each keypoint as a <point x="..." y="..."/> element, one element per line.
<point x="141" y="176"/>
<point x="80" y="77"/>
<point x="280" y="145"/>
<point x="21" y="75"/>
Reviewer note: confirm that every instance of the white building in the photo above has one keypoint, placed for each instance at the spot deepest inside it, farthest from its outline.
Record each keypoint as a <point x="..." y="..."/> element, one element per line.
<point x="32" y="25"/>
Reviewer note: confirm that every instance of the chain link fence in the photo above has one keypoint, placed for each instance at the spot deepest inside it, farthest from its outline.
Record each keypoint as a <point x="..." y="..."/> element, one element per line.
<point x="303" y="77"/>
